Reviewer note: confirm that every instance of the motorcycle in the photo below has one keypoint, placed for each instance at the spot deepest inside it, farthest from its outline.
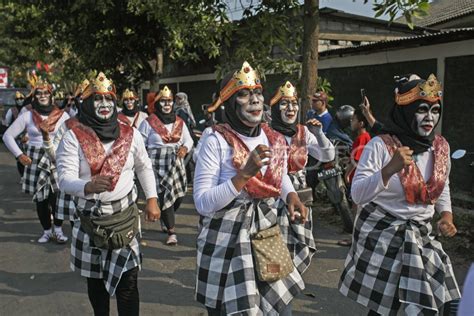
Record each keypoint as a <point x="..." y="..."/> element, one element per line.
<point x="331" y="174"/>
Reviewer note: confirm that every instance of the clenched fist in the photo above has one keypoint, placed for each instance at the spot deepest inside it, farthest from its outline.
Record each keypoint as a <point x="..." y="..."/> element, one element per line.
<point x="402" y="157"/>
<point x="258" y="158"/>
<point x="98" y="184"/>
<point x="24" y="160"/>
<point x="182" y="151"/>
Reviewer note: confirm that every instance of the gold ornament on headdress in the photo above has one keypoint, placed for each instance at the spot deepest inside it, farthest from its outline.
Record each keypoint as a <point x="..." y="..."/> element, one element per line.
<point x="100" y="85"/>
<point x="59" y="95"/>
<point x="81" y="87"/>
<point x="245" y="78"/>
<point x="429" y="90"/>
<point x="286" y="91"/>
<point x="19" y="95"/>
<point x="37" y="83"/>
<point x="164" y="93"/>
<point x="128" y="94"/>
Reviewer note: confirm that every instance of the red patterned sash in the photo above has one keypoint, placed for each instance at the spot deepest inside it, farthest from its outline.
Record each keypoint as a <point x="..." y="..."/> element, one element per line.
<point x="298" y="151"/>
<point x="260" y="186"/>
<point x="160" y="128"/>
<point x="71" y="123"/>
<point x="52" y="118"/>
<point x="416" y="190"/>
<point x="100" y="163"/>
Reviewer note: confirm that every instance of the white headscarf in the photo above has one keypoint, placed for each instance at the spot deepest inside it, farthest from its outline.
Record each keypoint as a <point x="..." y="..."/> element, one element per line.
<point x="184" y="104"/>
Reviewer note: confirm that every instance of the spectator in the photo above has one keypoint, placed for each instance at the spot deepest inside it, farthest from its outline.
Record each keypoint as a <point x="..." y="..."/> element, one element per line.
<point x="359" y="126"/>
<point x="374" y="126"/>
<point x="319" y="110"/>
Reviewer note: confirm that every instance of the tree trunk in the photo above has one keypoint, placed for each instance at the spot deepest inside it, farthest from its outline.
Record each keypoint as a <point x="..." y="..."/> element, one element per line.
<point x="309" y="75"/>
<point x="157" y="68"/>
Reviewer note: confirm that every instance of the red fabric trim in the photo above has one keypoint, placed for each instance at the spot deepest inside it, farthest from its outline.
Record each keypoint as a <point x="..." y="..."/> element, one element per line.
<point x="416" y="190"/>
<point x="260" y="186"/>
<point x="160" y="128"/>
<point x="100" y="163"/>
<point x="52" y="118"/>
<point x="298" y="151"/>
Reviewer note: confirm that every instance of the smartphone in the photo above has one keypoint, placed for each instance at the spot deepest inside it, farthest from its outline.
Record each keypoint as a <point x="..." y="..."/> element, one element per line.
<point x="362" y="95"/>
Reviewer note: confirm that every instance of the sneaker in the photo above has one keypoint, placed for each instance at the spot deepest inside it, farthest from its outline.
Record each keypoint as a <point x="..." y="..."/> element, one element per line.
<point x="60" y="237"/>
<point x="45" y="238"/>
<point x="172" y="240"/>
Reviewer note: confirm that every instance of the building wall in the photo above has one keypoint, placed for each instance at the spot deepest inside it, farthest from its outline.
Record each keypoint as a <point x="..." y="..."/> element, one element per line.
<point x="458" y="113"/>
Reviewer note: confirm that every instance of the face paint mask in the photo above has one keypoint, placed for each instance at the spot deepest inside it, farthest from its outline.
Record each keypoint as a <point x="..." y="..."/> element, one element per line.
<point x="129" y="103"/>
<point x="289" y="111"/>
<point x="43" y="97"/>
<point x="251" y="106"/>
<point x="426" y="118"/>
<point x="166" y="106"/>
<point x="19" y="102"/>
<point x="103" y="106"/>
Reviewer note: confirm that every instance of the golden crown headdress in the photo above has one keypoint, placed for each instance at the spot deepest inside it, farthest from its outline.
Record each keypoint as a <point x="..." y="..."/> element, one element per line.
<point x="100" y="85"/>
<point x="81" y="87"/>
<point x="286" y="91"/>
<point x="128" y="94"/>
<point x="37" y="82"/>
<point x="59" y="95"/>
<point x="164" y="93"/>
<point x="429" y="90"/>
<point x="19" y="95"/>
<point x="245" y="78"/>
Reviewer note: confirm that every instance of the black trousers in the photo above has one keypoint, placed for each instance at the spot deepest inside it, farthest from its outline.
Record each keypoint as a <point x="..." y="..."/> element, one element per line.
<point x="168" y="215"/>
<point x="20" y="168"/>
<point x="128" y="300"/>
<point x="44" y="209"/>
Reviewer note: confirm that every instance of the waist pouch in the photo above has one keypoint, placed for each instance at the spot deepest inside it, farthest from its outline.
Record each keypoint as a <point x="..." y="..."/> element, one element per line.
<point x="272" y="258"/>
<point x="112" y="231"/>
<point x="306" y="196"/>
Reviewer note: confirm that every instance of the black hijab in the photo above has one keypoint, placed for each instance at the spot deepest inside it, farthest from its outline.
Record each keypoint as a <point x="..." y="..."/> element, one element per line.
<point x="166" y="118"/>
<point x="278" y="124"/>
<point x="402" y="122"/>
<point x="107" y="130"/>
<point x="133" y="111"/>
<point x="43" y="110"/>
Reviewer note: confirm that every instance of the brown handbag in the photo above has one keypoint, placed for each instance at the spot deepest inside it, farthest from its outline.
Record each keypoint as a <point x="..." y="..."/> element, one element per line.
<point x="272" y="258"/>
<point x="306" y="196"/>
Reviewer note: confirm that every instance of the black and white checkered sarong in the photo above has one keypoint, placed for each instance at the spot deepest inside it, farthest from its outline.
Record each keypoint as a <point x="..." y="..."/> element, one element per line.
<point x="298" y="179"/>
<point x="65" y="206"/>
<point x="226" y="276"/>
<point x="39" y="178"/>
<point x="97" y="263"/>
<point x="395" y="263"/>
<point x="170" y="174"/>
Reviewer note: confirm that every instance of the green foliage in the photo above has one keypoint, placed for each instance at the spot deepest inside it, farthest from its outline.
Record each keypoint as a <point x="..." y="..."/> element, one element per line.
<point x="324" y="85"/>
<point x="121" y="37"/>
<point x="409" y="8"/>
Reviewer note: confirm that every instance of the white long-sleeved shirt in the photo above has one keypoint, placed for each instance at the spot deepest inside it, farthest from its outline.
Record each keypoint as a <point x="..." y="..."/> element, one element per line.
<point x="35" y="138"/>
<point x="153" y="139"/>
<point x="8" y="117"/>
<point x="213" y="187"/>
<point x="319" y="146"/>
<point x="367" y="185"/>
<point x="205" y="133"/>
<point x="74" y="171"/>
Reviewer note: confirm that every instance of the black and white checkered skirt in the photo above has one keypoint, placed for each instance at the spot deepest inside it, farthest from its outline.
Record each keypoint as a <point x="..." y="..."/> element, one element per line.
<point x="97" y="263"/>
<point x="396" y="264"/>
<point x="225" y="268"/>
<point x="170" y="174"/>
<point x="65" y="206"/>
<point x="39" y="178"/>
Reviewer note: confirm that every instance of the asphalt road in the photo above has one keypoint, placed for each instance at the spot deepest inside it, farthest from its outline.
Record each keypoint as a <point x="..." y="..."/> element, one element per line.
<point x="35" y="279"/>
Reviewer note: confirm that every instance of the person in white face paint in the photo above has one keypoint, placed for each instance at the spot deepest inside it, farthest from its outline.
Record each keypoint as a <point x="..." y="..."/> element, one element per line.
<point x="97" y="159"/>
<point x="39" y="175"/>
<point x="402" y="179"/>
<point x="168" y="140"/>
<point x="241" y="188"/>
<point x="131" y="113"/>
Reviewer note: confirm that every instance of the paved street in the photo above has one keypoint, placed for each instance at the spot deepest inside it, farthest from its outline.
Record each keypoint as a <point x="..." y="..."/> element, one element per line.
<point x="35" y="279"/>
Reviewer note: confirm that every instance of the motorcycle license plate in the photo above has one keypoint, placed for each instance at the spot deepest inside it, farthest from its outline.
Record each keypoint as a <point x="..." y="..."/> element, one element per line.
<point x="329" y="173"/>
